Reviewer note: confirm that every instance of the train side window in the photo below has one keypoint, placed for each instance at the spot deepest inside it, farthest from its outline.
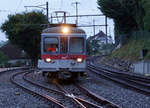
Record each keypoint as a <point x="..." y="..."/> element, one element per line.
<point x="76" y="45"/>
<point x="51" y="45"/>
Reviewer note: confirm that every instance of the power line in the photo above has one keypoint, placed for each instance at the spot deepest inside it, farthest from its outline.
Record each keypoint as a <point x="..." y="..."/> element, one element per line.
<point x="79" y="15"/>
<point x="19" y="5"/>
<point x="5" y="11"/>
<point x="40" y="6"/>
<point x="90" y="25"/>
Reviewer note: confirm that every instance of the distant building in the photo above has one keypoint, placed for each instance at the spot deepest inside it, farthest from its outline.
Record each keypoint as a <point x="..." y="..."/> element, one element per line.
<point x="15" y="55"/>
<point x="101" y="37"/>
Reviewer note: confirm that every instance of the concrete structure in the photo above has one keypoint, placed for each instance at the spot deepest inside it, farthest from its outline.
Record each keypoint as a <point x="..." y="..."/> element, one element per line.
<point x="141" y="67"/>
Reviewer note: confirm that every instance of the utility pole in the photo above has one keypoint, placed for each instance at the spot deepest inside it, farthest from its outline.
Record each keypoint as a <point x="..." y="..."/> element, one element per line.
<point x="94" y="27"/>
<point x="65" y="17"/>
<point x="76" y="4"/>
<point x="106" y="29"/>
<point x="47" y="13"/>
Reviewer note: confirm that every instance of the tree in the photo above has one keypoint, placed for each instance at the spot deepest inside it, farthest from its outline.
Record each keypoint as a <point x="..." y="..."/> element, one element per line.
<point x="24" y="30"/>
<point x="127" y="14"/>
<point x="147" y="14"/>
<point x="92" y="47"/>
<point x="3" y="59"/>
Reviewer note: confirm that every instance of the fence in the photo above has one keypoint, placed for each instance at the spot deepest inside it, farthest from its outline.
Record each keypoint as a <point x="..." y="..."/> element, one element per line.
<point x="142" y="67"/>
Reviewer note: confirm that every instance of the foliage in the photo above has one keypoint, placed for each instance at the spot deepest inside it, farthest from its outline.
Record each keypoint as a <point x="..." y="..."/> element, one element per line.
<point x="3" y="59"/>
<point x="3" y="43"/>
<point x="132" y="20"/>
<point x="107" y="46"/>
<point x="140" y="40"/>
<point x="127" y="14"/>
<point x="93" y="47"/>
<point x="24" y="30"/>
<point x="147" y="14"/>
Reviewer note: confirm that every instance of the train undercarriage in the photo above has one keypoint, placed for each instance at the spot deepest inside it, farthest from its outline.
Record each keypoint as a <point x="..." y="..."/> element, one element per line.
<point x="63" y="75"/>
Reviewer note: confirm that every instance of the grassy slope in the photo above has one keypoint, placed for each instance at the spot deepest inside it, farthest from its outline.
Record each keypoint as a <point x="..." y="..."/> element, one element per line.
<point x="131" y="50"/>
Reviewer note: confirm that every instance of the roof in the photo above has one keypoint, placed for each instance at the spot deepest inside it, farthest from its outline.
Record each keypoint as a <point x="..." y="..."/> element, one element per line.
<point x="98" y="35"/>
<point x="12" y="51"/>
<point x="57" y="25"/>
<point x="58" y="29"/>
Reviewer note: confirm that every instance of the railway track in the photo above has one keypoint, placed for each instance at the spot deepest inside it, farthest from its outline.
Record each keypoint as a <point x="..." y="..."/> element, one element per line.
<point x="82" y="103"/>
<point x="66" y="94"/>
<point x="13" y="69"/>
<point x="20" y="80"/>
<point x="14" y="79"/>
<point x="138" y="83"/>
<point x="104" y="102"/>
<point x="125" y="74"/>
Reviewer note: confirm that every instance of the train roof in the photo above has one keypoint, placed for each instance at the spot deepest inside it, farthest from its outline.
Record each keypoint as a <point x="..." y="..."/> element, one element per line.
<point x="58" y="25"/>
<point x="58" y="30"/>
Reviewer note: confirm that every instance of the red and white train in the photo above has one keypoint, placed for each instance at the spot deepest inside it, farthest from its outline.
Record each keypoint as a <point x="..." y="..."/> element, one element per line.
<point x="63" y="50"/>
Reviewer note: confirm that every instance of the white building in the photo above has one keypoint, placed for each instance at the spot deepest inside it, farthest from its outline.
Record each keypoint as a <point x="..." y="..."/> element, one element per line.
<point x="101" y="37"/>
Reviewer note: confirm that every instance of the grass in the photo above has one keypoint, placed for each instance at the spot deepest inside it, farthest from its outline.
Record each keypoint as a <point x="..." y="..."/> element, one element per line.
<point x="132" y="49"/>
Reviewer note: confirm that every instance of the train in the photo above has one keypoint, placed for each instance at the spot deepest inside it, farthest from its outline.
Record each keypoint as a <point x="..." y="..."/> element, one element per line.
<point x="63" y="51"/>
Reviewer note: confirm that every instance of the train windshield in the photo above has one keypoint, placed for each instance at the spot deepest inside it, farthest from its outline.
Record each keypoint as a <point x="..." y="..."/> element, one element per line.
<point x="76" y="45"/>
<point x="51" y="45"/>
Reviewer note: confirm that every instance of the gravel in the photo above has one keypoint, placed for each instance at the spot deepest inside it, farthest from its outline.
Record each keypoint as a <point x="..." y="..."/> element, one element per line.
<point x="44" y="82"/>
<point x="14" y="97"/>
<point x="123" y="97"/>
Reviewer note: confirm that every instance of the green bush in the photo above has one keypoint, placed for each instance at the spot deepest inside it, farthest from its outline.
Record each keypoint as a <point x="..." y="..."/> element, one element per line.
<point x="3" y="59"/>
<point x="131" y="50"/>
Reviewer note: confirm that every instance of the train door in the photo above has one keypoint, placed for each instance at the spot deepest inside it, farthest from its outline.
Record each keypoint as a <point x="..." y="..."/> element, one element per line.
<point x="64" y="45"/>
<point x="64" y="52"/>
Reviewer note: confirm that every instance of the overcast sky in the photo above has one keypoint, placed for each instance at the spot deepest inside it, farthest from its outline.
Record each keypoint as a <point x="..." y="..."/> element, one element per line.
<point x="85" y="7"/>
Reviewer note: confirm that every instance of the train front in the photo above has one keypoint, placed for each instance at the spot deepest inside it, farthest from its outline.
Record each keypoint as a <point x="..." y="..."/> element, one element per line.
<point x="63" y="49"/>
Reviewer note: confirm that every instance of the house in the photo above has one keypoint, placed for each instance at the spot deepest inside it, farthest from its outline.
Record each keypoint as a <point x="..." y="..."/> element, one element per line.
<point x="15" y="55"/>
<point x="101" y="37"/>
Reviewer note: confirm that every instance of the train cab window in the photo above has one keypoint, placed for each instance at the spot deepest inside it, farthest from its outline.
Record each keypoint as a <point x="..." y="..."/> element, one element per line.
<point x="64" y="44"/>
<point x="76" y="45"/>
<point x="51" y="45"/>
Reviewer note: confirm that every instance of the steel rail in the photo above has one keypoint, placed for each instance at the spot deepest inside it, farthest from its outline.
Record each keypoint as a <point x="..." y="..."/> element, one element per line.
<point x="78" y="100"/>
<point x="125" y="74"/>
<point x="87" y="103"/>
<point x="61" y="92"/>
<point x="64" y="93"/>
<point x="13" y="69"/>
<point x="101" y="100"/>
<point x="45" y="96"/>
<point x="70" y="95"/>
<point x="119" y="79"/>
<point x="126" y="77"/>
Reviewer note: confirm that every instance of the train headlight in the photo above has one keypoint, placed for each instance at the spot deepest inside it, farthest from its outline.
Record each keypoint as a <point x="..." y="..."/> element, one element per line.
<point x="48" y="60"/>
<point x="65" y="30"/>
<point x="79" y="60"/>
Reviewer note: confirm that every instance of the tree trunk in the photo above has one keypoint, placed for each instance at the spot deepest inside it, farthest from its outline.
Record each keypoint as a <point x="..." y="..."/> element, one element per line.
<point x="34" y="62"/>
